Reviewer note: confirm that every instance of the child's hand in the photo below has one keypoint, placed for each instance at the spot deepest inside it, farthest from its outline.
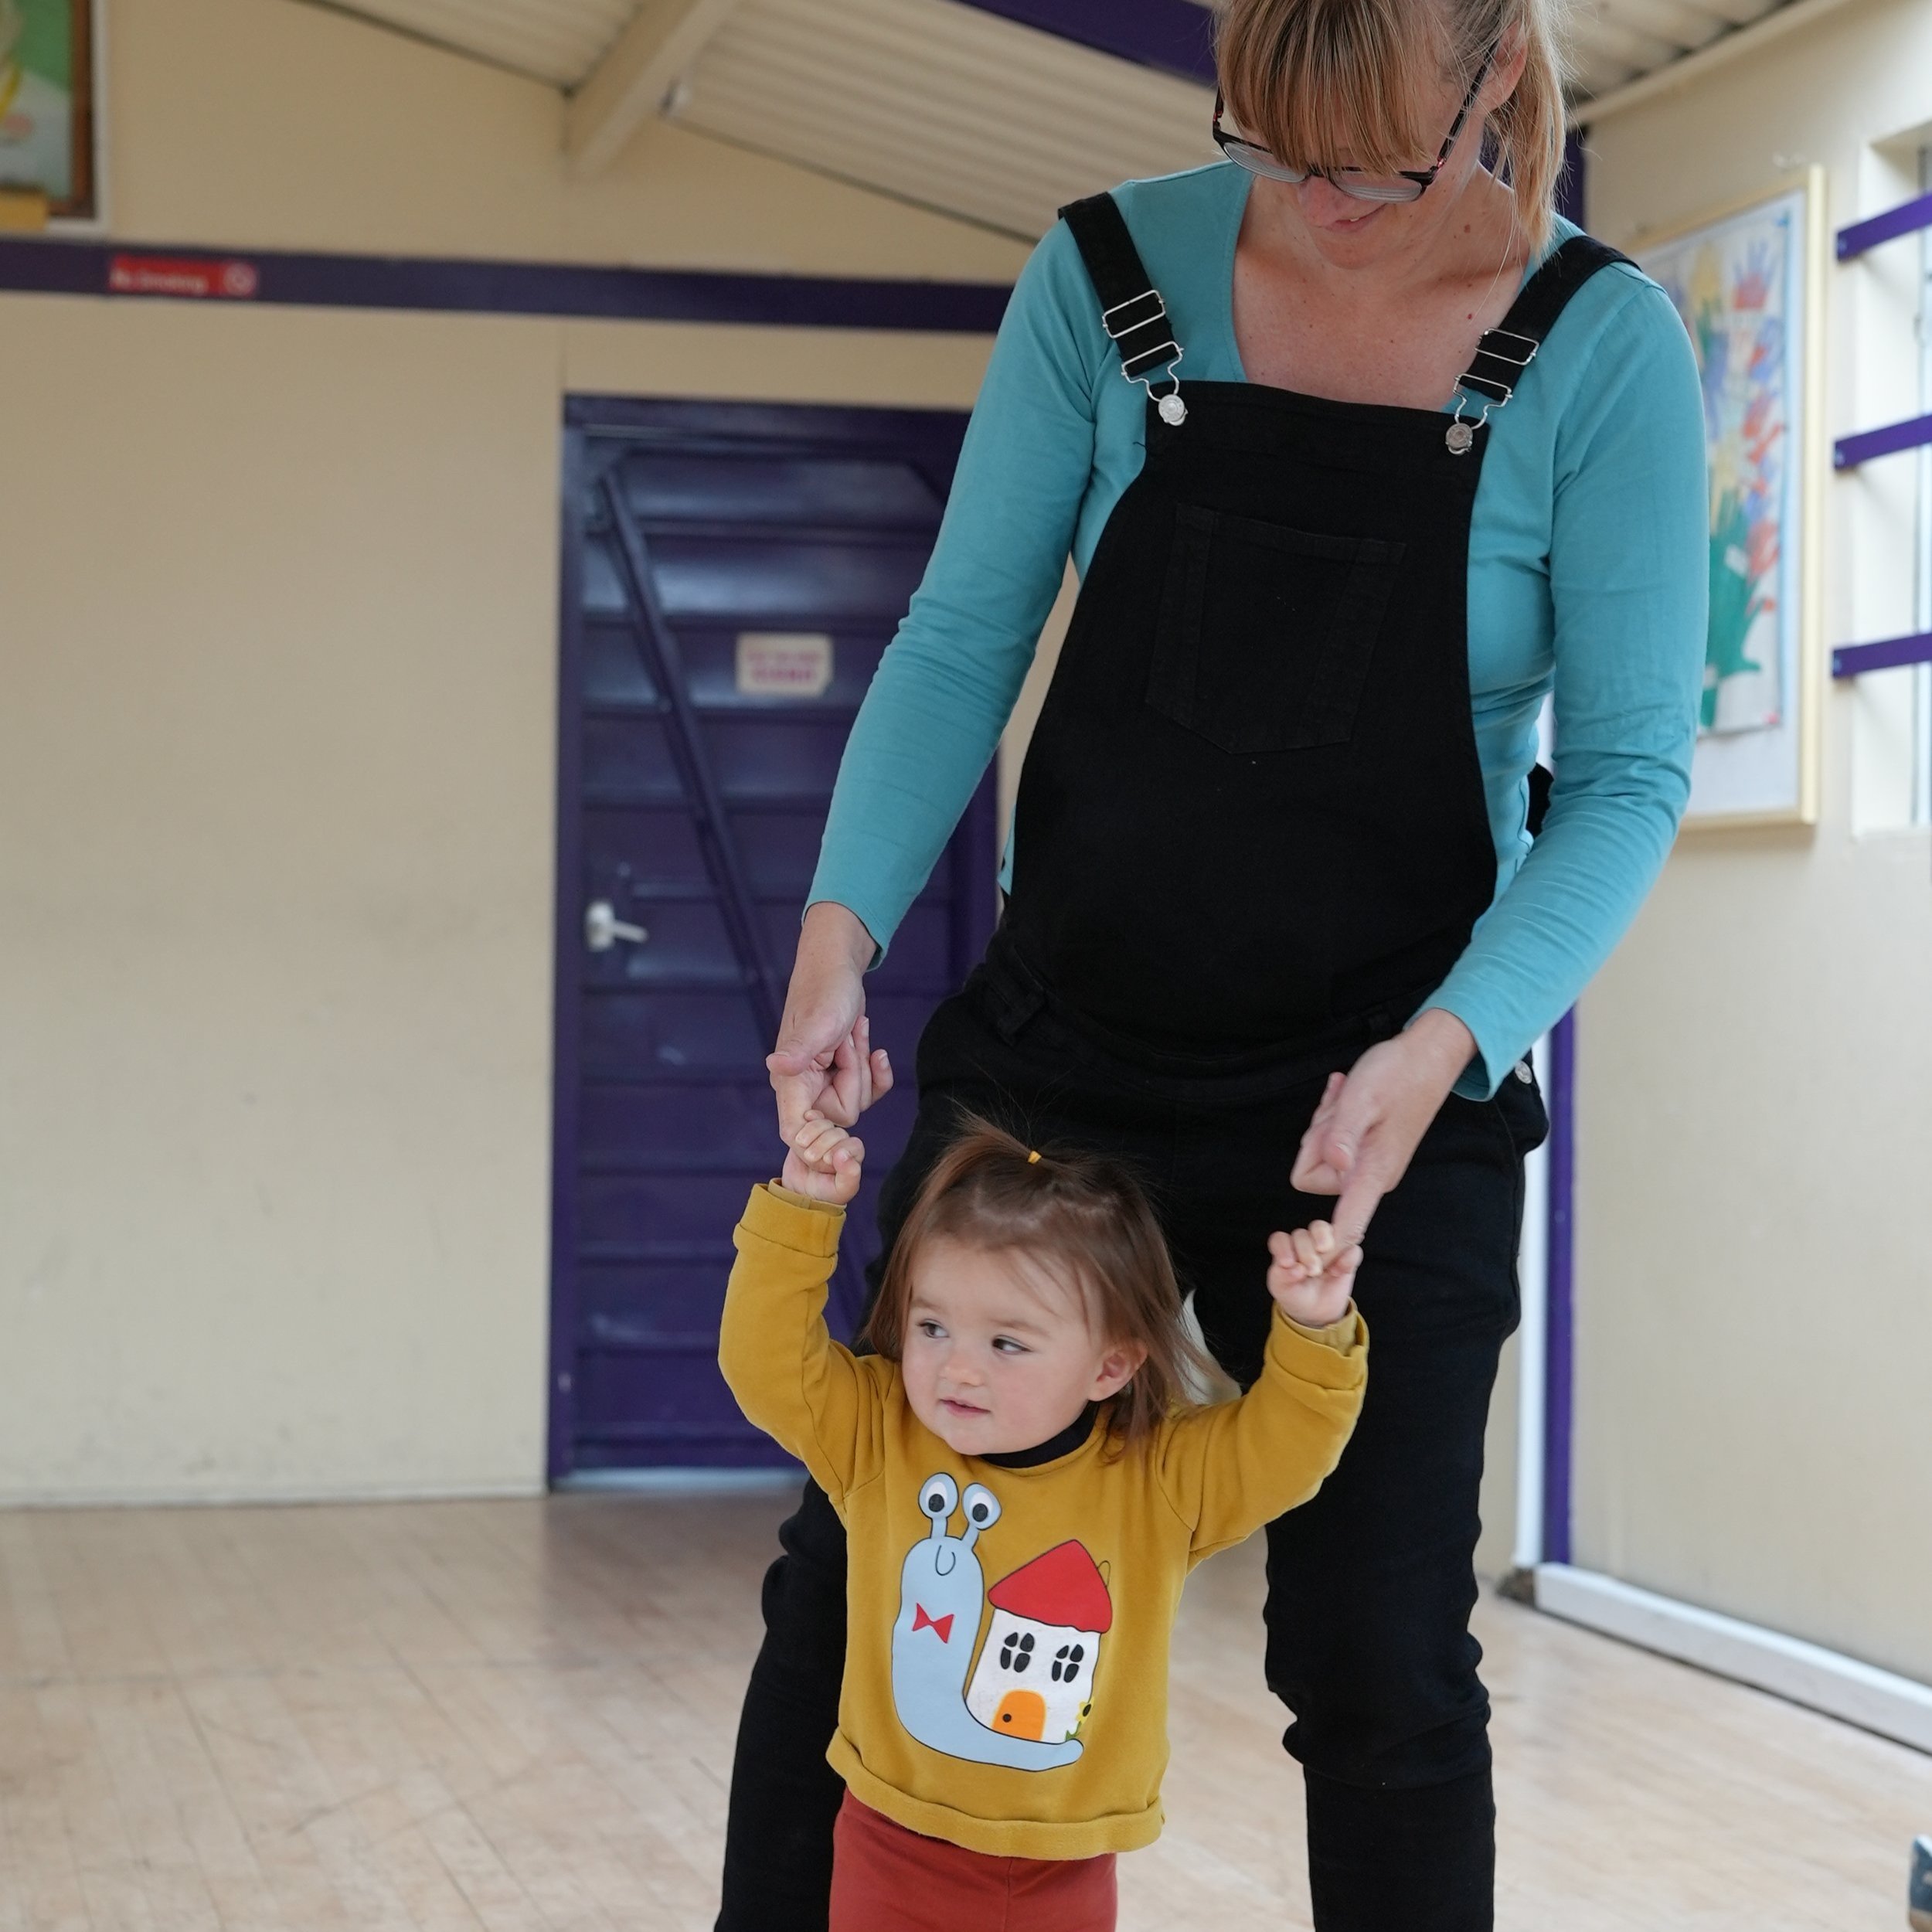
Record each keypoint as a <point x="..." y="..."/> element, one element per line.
<point x="823" y="1161"/>
<point x="1312" y="1276"/>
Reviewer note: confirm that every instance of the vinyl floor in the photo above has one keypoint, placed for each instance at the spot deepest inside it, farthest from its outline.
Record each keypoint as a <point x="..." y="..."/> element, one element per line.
<point x="518" y="1716"/>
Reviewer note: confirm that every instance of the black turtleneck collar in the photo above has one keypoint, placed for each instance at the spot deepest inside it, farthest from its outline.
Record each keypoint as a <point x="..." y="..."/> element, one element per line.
<point x="1070" y="1438"/>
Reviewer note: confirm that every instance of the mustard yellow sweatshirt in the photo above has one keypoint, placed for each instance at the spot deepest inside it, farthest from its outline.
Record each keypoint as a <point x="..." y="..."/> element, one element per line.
<point x="1006" y="1658"/>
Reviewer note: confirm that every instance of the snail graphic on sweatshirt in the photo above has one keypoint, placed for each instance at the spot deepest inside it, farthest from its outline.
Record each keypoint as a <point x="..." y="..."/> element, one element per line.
<point x="1022" y="1703"/>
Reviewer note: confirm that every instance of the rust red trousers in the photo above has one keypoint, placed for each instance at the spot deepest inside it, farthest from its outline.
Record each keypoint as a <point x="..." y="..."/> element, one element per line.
<point x="885" y="1878"/>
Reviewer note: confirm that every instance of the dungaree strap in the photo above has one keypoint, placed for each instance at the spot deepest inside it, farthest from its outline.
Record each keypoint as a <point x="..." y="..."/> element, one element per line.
<point x="1131" y="310"/>
<point x="1507" y="350"/>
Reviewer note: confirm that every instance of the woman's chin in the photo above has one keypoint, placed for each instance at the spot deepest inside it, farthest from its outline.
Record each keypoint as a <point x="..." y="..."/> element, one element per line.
<point x="1352" y="237"/>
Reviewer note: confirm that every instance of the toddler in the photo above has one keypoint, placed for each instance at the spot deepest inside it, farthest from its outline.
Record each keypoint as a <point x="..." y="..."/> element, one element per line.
<point x="1025" y="1486"/>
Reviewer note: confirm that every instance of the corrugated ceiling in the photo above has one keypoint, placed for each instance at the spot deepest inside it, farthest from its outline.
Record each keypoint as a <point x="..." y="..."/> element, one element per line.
<point x="940" y="103"/>
<point x="1613" y="41"/>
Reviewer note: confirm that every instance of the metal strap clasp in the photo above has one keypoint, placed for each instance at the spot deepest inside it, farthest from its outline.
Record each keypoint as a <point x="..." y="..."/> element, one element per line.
<point x="1528" y="344"/>
<point x="1513" y="352"/>
<point x="1142" y="315"/>
<point x="1156" y="314"/>
<point x="1492" y="349"/>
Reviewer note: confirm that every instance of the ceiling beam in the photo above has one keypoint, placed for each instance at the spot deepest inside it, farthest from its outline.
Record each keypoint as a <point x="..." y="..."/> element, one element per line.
<point x="1683" y="27"/>
<point x="1177" y="35"/>
<point x="1642" y="51"/>
<point x="628" y="85"/>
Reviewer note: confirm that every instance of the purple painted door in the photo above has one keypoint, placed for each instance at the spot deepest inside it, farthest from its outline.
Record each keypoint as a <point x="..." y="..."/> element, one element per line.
<point x="731" y="574"/>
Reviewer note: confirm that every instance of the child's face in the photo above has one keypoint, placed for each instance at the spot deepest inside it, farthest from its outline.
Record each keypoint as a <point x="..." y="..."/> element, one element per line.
<point x="998" y="1356"/>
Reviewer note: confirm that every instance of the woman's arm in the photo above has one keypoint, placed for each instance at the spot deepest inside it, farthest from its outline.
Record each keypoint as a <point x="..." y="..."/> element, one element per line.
<point x="1629" y="585"/>
<point x="824" y="1061"/>
<point x="1629" y="573"/>
<point x="946" y="686"/>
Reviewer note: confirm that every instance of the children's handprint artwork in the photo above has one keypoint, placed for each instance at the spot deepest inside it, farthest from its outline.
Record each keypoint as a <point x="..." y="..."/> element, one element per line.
<point x="1747" y="282"/>
<point x="1731" y="282"/>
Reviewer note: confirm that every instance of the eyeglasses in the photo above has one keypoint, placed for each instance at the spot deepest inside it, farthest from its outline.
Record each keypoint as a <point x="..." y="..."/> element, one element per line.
<point x="1407" y="185"/>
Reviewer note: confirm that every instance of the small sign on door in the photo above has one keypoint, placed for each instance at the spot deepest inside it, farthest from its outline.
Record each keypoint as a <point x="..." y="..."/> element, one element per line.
<point x="783" y="664"/>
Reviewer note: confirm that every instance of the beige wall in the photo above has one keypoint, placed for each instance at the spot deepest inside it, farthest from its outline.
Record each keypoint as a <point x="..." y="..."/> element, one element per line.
<point x="278" y="633"/>
<point x="278" y="636"/>
<point x="1755" y="1223"/>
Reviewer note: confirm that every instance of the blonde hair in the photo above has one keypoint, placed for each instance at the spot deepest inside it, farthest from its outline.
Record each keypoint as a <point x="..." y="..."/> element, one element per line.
<point x="1309" y="78"/>
<point x="1084" y="1220"/>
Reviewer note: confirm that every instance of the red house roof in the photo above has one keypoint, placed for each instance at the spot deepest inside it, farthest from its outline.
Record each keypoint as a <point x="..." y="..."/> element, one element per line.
<point x="1063" y="1586"/>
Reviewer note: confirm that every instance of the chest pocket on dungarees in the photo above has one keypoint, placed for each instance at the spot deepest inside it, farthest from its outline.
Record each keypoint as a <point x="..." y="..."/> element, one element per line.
<point x="1266" y="632"/>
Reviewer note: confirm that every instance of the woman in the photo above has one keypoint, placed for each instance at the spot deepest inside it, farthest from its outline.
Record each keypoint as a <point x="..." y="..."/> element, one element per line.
<point x="1429" y="456"/>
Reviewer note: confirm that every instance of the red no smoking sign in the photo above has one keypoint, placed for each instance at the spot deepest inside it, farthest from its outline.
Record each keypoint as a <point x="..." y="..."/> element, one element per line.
<point x="178" y="275"/>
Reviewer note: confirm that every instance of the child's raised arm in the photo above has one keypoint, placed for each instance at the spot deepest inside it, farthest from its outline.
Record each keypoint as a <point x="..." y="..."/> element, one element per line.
<point x="808" y="1394"/>
<point x="1231" y="1468"/>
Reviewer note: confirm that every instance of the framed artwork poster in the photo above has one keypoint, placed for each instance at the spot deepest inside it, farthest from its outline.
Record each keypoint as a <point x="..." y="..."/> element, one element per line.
<point x="1747" y="280"/>
<point x="47" y="107"/>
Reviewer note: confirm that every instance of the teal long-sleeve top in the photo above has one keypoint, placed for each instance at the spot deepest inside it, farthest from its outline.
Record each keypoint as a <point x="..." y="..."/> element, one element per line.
<point x="1589" y="567"/>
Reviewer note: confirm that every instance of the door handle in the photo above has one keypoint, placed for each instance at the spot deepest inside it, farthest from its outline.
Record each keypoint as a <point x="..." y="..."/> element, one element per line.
<point x="603" y="928"/>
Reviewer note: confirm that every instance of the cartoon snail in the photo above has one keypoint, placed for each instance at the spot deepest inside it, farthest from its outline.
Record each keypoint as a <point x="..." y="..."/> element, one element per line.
<point x="941" y="1596"/>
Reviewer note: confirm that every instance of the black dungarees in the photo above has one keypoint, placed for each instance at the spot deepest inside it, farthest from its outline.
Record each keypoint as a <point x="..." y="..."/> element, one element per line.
<point x="1253" y="838"/>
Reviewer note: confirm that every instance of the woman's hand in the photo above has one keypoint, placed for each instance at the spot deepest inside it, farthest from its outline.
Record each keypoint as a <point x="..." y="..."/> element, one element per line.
<point x="823" y="1059"/>
<point x="823" y="1161"/>
<point x="1365" y="1131"/>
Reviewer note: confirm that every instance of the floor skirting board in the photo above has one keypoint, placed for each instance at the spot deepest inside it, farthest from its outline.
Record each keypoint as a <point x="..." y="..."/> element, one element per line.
<point x="1876" y="1700"/>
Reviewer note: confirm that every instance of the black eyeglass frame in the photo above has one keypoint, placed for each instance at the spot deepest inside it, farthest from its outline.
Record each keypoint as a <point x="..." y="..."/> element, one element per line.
<point x="1279" y="171"/>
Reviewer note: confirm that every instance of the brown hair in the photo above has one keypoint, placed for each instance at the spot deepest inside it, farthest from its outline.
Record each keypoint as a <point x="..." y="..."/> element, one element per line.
<point x="1307" y="77"/>
<point x="1084" y="1218"/>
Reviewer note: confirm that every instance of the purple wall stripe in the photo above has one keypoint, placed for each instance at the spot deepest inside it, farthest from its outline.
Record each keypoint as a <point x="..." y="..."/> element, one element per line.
<point x="1569" y="183"/>
<point x="1176" y="35"/>
<point x="1849" y="451"/>
<point x="1559" y="1095"/>
<point x="1906" y="220"/>
<point x="1560" y="1355"/>
<point x="1853" y="660"/>
<point x="147" y="272"/>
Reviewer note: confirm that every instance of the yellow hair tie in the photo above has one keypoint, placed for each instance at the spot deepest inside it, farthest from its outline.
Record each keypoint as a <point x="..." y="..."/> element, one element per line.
<point x="1032" y="1156"/>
